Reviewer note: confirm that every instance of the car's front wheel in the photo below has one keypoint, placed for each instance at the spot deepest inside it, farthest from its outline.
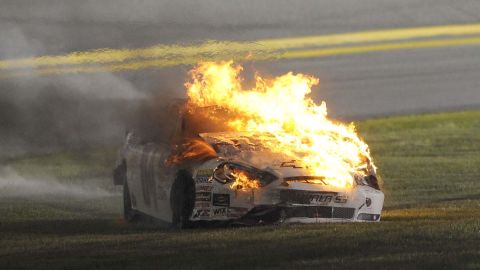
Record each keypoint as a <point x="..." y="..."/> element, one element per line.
<point x="182" y="200"/>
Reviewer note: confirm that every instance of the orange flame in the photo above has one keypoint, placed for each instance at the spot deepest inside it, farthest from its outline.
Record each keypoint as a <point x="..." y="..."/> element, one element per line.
<point x="193" y="150"/>
<point x="243" y="182"/>
<point x="281" y="107"/>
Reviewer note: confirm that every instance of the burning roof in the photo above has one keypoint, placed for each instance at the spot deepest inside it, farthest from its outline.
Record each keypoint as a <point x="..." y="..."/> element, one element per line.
<point x="280" y="107"/>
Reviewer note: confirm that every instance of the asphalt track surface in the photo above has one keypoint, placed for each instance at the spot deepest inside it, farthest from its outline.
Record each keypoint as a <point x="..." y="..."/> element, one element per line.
<point x="402" y="78"/>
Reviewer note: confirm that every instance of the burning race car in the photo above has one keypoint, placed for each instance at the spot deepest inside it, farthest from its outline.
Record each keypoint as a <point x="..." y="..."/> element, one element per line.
<point x="225" y="161"/>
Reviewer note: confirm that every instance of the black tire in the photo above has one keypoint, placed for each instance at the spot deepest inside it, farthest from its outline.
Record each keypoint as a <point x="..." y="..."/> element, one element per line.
<point x="129" y="214"/>
<point x="182" y="200"/>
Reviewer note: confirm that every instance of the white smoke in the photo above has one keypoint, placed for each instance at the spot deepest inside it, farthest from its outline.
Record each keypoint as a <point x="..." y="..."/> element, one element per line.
<point x="12" y="184"/>
<point x="40" y="114"/>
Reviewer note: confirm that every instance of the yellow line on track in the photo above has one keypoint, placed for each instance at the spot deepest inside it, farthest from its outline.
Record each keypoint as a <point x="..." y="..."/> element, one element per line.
<point x="231" y="49"/>
<point x="380" y="47"/>
<point x="157" y="63"/>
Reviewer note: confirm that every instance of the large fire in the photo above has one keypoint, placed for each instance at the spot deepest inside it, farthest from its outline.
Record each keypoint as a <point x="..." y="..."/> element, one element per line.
<point x="281" y="107"/>
<point x="243" y="182"/>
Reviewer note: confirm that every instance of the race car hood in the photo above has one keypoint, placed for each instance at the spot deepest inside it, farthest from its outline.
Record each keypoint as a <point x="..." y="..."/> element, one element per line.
<point x="248" y="148"/>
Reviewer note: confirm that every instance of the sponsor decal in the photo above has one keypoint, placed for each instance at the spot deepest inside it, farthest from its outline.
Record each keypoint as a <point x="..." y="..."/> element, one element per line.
<point x="203" y="179"/>
<point x="203" y="188"/>
<point x="325" y="198"/>
<point x="221" y="199"/>
<point x="321" y="198"/>
<point x="315" y="198"/>
<point x="204" y="172"/>
<point x="340" y="198"/>
<point x="199" y="213"/>
<point x="203" y="196"/>
<point x="202" y="205"/>
<point x="220" y="212"/>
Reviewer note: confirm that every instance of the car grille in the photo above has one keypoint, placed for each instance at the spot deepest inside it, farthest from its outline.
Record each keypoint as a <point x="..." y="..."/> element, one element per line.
<point x="320" y="212"/>
<point x="342" y="212"/>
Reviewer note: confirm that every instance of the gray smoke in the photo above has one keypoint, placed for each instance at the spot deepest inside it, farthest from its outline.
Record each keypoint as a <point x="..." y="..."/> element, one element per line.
<point x="39" y="114"/>
<point x="13" y="184"/>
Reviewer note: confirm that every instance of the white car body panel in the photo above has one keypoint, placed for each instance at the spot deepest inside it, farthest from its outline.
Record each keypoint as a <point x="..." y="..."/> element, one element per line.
<point x="150" y="182"/>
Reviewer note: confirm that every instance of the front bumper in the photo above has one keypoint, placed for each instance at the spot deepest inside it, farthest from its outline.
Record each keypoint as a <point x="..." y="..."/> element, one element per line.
<point x="279" y="214"/>
<point x="299" y="203"/>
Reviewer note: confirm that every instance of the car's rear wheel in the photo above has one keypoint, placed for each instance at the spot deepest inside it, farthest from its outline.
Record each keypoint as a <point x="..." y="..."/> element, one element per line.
<point x="129" y="214"/>
<point x="182" y="200"/>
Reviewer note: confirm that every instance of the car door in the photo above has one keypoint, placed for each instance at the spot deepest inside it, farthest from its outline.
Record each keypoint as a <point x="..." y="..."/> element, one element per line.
<point x="156" y="179"/>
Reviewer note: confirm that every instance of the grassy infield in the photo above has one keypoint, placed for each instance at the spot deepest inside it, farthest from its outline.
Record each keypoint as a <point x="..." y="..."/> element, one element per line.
<point x="431" y="168"/>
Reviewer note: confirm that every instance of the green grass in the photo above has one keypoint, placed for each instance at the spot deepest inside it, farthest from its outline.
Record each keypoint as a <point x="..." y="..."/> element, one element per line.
<point x="430" y="165"/>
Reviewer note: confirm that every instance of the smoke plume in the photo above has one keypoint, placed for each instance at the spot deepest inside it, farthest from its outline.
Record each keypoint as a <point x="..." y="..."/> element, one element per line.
<point x="39" y="114"/>
<point x="13" y="184"/>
